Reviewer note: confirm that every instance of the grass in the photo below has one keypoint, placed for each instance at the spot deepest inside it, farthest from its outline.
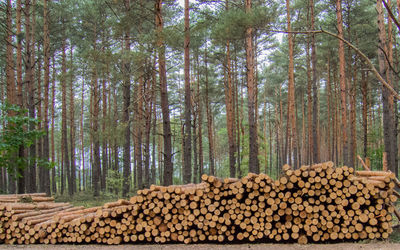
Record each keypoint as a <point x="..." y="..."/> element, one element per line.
<point x="87" y="199"/>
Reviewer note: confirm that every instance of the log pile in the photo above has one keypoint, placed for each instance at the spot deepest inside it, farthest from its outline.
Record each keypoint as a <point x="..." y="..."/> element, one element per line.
<point x="311" y="204"/>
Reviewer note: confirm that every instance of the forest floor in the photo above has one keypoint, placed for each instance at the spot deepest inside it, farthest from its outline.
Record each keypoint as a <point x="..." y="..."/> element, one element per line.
<point x="384" y="245"/>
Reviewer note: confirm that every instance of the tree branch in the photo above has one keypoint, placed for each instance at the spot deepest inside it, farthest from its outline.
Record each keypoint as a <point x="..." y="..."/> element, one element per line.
<point x="359" y="52"/>
<point x="391" y="14"/>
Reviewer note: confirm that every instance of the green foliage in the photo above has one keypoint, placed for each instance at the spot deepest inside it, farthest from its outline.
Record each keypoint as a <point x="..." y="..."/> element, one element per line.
<point x="375" y="156"/>
<point x="114" y="180"/>
<point x="232" y="24"/>
<point x="14" y="136"/>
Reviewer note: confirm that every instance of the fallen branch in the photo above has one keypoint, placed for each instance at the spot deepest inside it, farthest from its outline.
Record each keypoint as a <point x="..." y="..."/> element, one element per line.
<point x="363" y="163"/>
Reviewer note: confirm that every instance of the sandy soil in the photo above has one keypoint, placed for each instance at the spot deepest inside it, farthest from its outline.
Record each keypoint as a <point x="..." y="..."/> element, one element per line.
<point x="338" y="246"/>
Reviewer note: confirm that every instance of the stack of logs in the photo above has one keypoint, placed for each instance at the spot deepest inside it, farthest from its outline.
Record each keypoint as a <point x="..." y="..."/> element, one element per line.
<point x="314" y="203"/>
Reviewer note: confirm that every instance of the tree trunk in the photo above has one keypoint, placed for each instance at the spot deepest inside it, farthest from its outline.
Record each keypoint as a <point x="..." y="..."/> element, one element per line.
<point x="252" y="93"/>
<point x="291" y="92"/>
<point x="353" y="131"/>
<point x="364" y="92"/>
<point x="45" y="178"/>
<point x="209" y="122"/>
<point x="96" y="142"/>
<point x="115" y="122"/>
<point x="126" y="87"/>
<point x="138" y="132"/>
<point x="72" y="127"/>
<point x="10" y="81"/>
<point x="343" y="90"/>
<point x="104" y="156"/>
<point x="30" y="180"/>
<point x="147" y="128"/>
<point x="66" y="163"/>
<point x="168" y="167"/>
<point x="153" y="179"/>
<point x="10" y="74"/>
<point x="53" y="103"/>
<point x="200" y="122"/>
<point x="187" y="169"/>
<point x="230" y="115"/>
<point x="315" y="137"/>
<point x="389" y="133"/>
<point x="82" y="182"/>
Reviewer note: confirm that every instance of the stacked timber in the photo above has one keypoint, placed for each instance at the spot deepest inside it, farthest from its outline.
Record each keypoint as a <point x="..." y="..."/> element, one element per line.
<point x="311" y="204"/>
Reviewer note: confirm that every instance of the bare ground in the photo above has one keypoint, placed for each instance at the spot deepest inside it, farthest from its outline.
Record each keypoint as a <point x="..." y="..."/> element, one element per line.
<point x="261" y="246"/>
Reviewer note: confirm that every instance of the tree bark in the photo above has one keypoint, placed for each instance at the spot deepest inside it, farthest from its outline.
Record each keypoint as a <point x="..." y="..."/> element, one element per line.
<point x="343" y="89"/>
<point x="389" y="133"/>
<point x="66" y="163"/>
<point x="45" y="178"/>
<point x="82" y="185"/>
<point x="10" y="74"/>
<point x="315" y="128"/>
<point x="291" y="92"/>
<point x="30" y="179"/>
<point x="126" y="86"/>
<point x="104" y="156"/>
<point x="72" y="128"/>
<point x="209" y="121"/>
<point x="252" y="93"/>
<point x="168" y="167"/>
<point x="364" y="92"/>
<point x="53" y="103"/>
<point x="187" y="169"/>
<point x="95" y="132"/>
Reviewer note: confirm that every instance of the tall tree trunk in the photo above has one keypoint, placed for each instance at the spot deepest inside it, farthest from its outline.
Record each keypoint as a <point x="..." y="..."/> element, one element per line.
<point x="353" y="132"/>
<point x="209" y="122"/>
<point x="187" y="169"/>
<point x="153" y="179"/>
<point x="53" y="103"/>
<point x="364" y="92"/>
<point x="82" y="182"/>
<point x="10" y="74"/>
<point x="329" y="123"/>
<point x="168" y="167"/>
<point x="230" y="115"/>
<point x="126" y="87"/>
<point x="64" y="121"/>
<point x="291" y="92"/>
<point x="96" y="168"/>
<point x="115" y="122"/>
<point x="45" y="178"/>
<point x="252" y="93"/>
<point x="200" y="123"/>
<point x="309" y="108"/>
<point x="104" y="156"/>
<point x="19" y="54"/>
<point x="39" y="145"/>
<point x="343" y="90"/>
<point x="72" y="126"/>
<point x="315" y="127"/>
<point x="10" y="78"/>
<point x="389" y="133"/>
<point x="147" y="129"/>
<point x="138" y="132"/>
<point x="391" y="79"/>
<point x="30" y="180"/>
